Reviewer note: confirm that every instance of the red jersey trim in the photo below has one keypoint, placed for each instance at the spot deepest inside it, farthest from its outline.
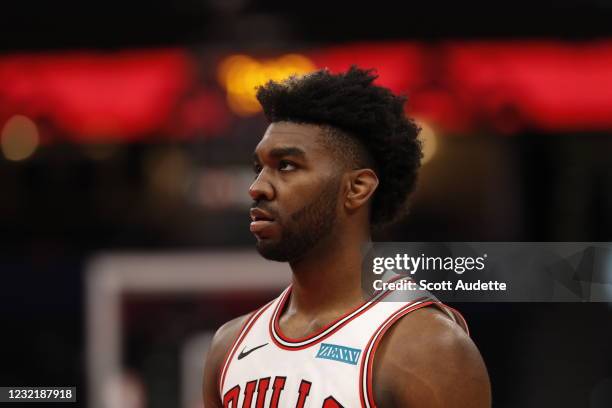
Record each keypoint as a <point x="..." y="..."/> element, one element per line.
<point x="244" y="330"/>
<point x="301" y="343"/>
<point x="459" y="319"/>
<point x="366" y="394"/>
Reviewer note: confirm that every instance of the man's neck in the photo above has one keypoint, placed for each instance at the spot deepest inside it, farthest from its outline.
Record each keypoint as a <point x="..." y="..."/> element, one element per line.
<point x="329" y="277"/>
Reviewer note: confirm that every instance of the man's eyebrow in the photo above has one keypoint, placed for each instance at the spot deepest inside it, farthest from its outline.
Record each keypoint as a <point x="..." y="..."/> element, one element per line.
<point x="278" y="152"/>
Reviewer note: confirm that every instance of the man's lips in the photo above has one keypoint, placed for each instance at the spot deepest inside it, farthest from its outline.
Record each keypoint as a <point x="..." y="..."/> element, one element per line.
<point x="257" y="214"/>
<point x="260" y="220"/>
<point x="258" y="226"/>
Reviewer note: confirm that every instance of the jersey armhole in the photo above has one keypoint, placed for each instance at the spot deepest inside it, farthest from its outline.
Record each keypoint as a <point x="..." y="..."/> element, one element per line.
<point x="455" y="315"/>
<point x="244" y="329"/>
<point x="366" y="393"/>
<point x="366" y="373"/>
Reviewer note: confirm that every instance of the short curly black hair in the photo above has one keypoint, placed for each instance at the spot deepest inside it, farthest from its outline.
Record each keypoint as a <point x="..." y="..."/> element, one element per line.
<point x="370" y="115"/>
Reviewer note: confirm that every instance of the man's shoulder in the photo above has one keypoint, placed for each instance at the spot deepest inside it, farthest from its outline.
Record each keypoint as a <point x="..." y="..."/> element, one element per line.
<point x="425" y="354"/>
<point x="226" y="335"/>
<point x="426" y="335"/>
<point x="221" y="343"/>
<point x="232" y="327"/>
<point x="428" y="326"/>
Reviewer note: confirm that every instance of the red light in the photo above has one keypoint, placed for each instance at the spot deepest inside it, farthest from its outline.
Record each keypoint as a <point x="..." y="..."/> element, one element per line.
<point x="91" y="96"/>
<point x="399" y="65"/>
<point x="548" y="85"/>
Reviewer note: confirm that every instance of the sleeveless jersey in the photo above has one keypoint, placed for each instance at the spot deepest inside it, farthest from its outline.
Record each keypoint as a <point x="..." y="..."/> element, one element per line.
<point x="329" y="369"/>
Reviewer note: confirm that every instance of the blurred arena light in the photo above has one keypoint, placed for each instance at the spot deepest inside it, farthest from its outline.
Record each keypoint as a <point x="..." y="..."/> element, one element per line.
<point x="19" y="138"/>
<point x="97" y="97"/>
<point x="168" y="171"/>
<point x="239" y="75"/>
<point x="429" y="140"/>
<point x="458" y="86"/>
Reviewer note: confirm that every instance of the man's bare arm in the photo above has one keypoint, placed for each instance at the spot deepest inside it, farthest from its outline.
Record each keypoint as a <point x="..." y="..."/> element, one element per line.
<point x="222" y="341"/>
<point x="427" y="361"/>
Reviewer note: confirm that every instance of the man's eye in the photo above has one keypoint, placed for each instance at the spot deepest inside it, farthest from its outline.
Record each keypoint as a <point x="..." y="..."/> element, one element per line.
<point x="257" y="168"/>
<point x="284" y="165"/>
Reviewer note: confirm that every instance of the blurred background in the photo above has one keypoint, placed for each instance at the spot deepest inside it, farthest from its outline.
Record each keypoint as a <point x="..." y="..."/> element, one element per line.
<point x="126" y="136"/>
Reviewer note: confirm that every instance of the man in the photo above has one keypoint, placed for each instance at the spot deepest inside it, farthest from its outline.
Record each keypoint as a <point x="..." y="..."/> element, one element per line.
<point x="338" y="158"/>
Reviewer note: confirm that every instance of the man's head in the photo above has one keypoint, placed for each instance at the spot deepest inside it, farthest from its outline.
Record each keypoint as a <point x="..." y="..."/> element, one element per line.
<point x="339" y="150"/>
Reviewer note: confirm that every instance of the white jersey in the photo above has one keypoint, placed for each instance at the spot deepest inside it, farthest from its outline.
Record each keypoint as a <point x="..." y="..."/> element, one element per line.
<point x="331" y="368"/>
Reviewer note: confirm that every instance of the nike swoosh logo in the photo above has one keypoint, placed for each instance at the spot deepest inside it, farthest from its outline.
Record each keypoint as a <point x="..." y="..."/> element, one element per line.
<point x="244" y="353"/>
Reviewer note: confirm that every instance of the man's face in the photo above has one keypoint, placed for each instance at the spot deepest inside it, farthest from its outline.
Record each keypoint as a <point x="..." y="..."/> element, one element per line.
<point x="295" y="192"/>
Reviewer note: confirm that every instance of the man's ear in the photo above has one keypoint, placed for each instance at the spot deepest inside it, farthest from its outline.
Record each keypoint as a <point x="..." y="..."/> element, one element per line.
<point x="361" y="184"/>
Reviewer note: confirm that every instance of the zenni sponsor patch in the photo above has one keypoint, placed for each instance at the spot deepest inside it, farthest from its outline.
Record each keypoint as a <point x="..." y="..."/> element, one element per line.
<point x="338" y="353"/>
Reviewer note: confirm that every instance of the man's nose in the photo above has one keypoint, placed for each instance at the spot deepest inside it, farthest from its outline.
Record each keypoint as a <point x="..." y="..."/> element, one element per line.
<point x="261" y="189"/>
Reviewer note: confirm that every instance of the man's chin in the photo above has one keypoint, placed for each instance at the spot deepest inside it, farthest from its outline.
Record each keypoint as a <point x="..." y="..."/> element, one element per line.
<point x="275" y="251"/>
<point x="271" y="251"/>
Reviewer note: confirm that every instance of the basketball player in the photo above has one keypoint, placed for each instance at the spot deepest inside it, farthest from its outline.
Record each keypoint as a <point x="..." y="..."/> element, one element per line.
<point x="338" y="158"/>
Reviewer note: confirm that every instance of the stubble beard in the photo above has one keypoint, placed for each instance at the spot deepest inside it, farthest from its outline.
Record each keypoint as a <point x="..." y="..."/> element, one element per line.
<point x="306" y="228"/>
